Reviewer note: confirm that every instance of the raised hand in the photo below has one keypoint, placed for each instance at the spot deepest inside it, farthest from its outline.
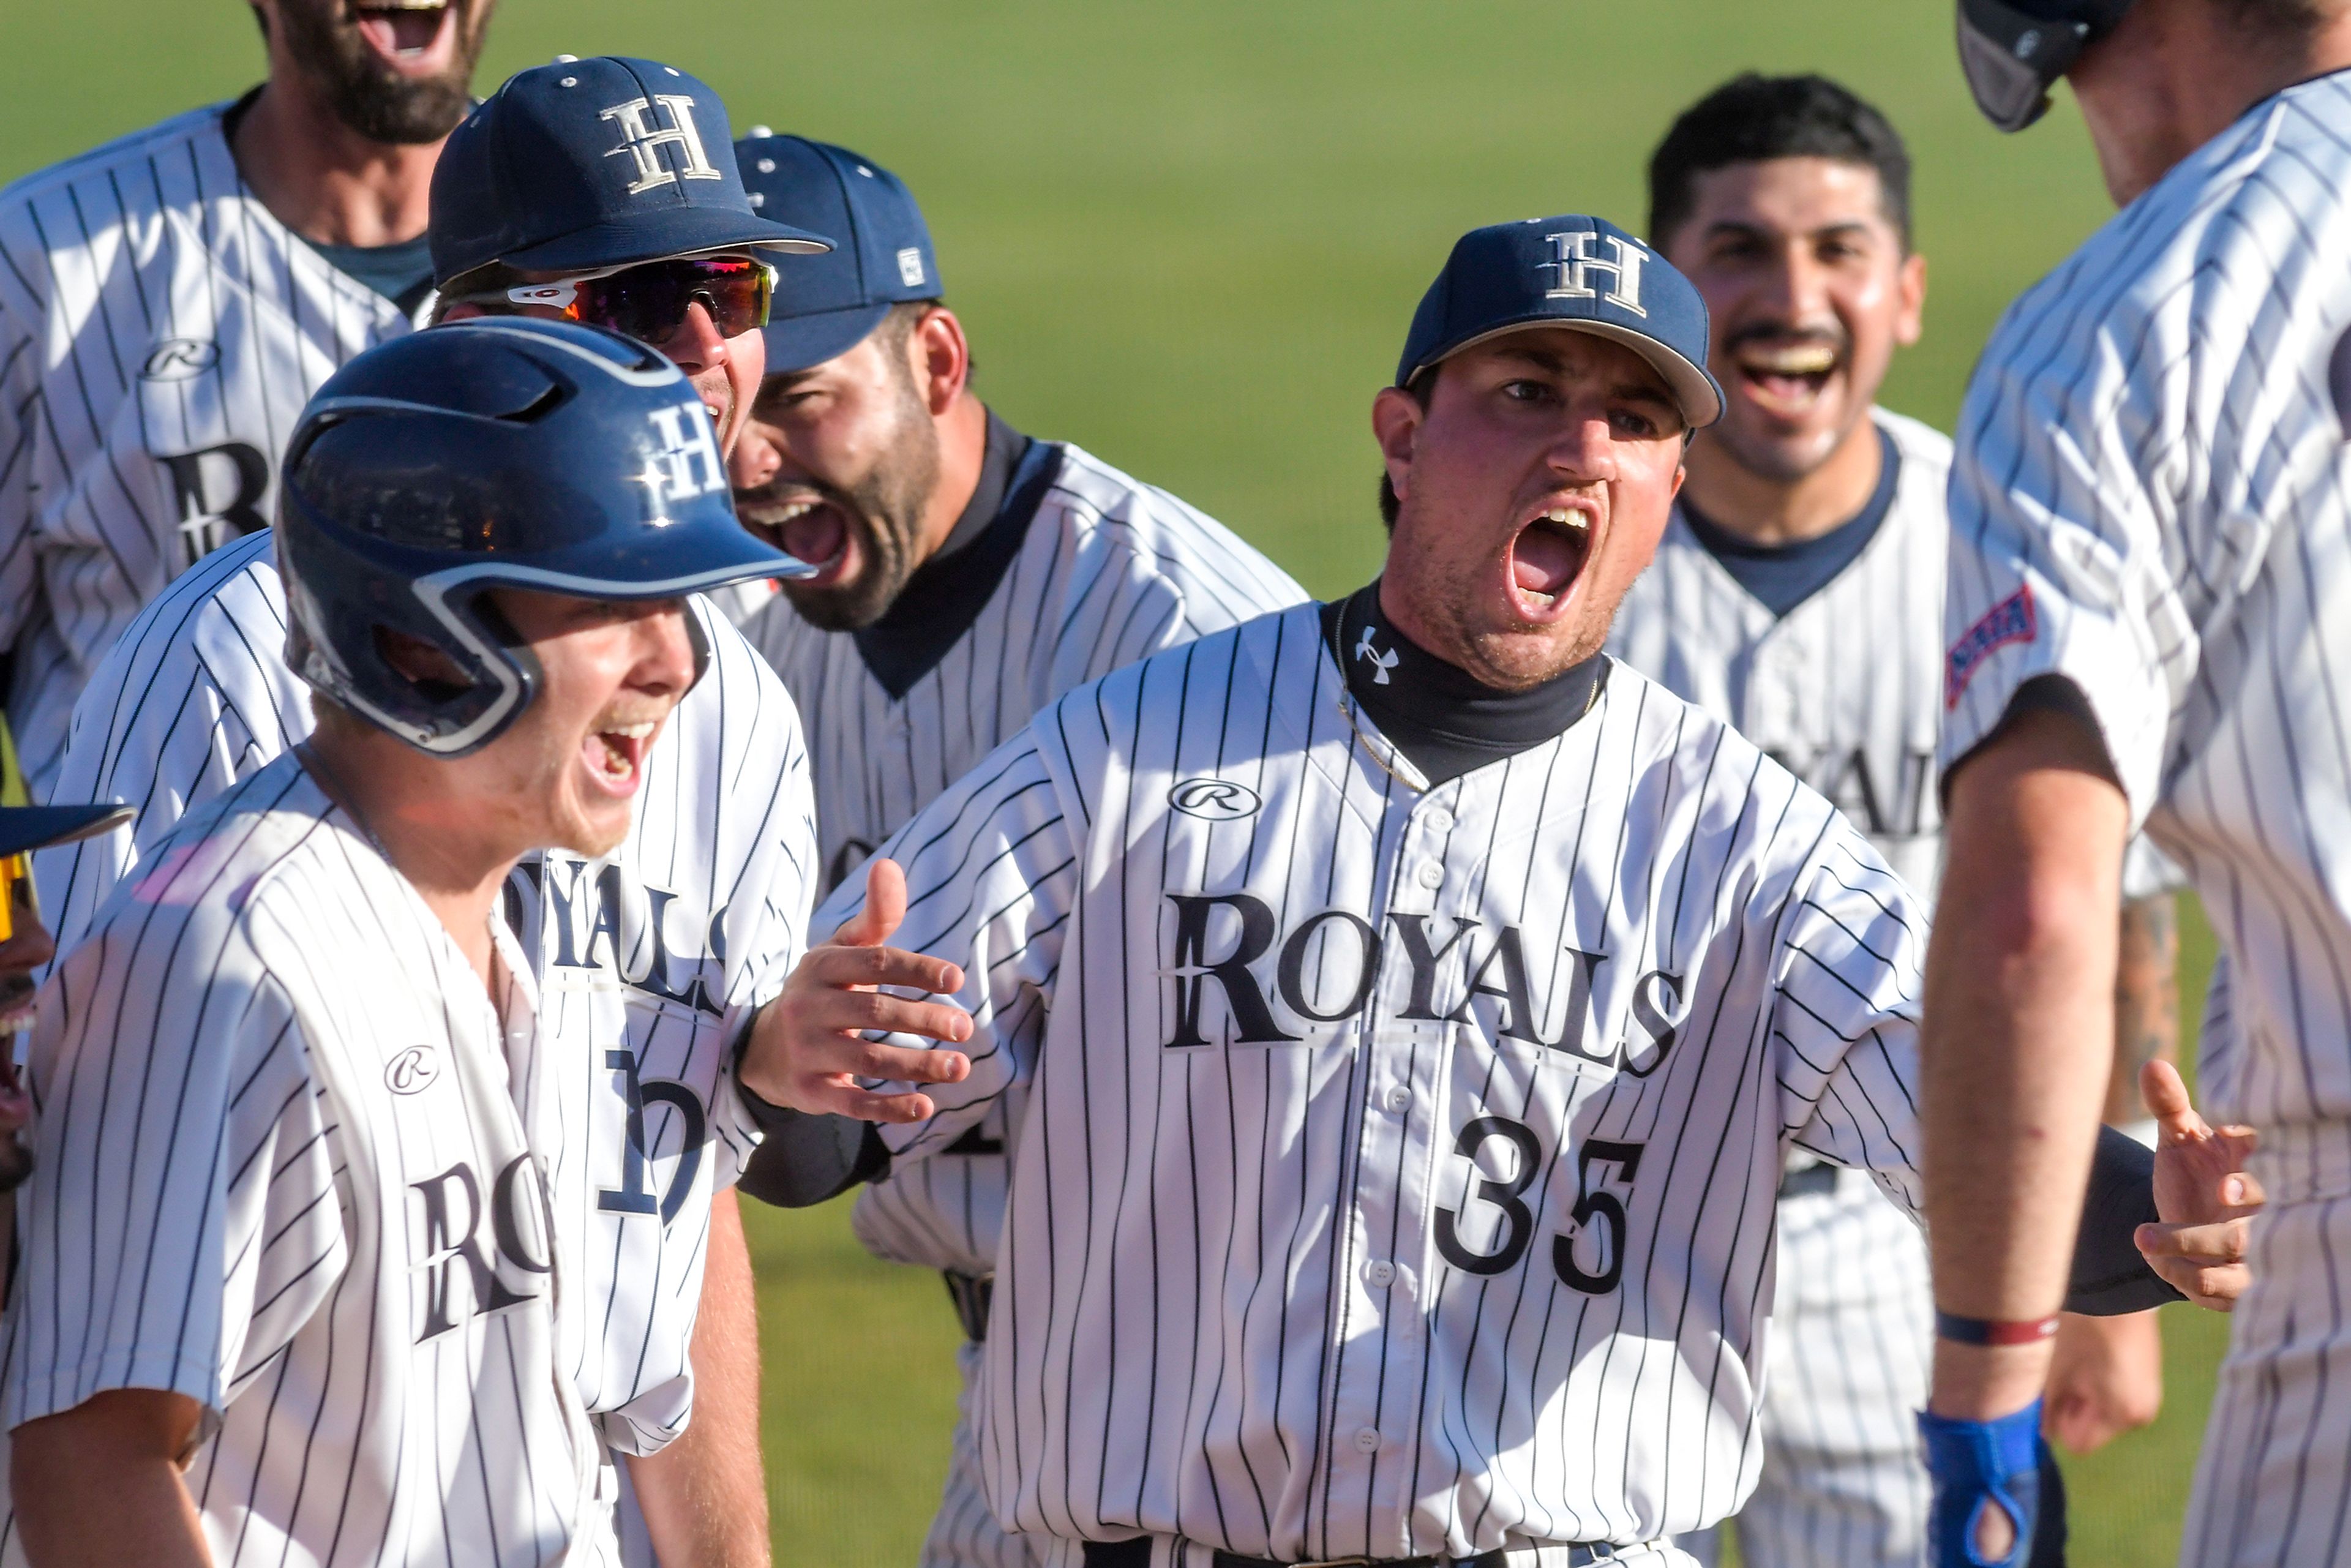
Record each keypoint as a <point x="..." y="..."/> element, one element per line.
<point x="808" y="1048"/>
<point x="2203" y="1192"/>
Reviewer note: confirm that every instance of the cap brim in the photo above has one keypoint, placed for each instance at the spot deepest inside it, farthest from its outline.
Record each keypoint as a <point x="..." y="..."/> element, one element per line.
<point x="667" y="232"/>
<point x="1696" y="391"/>
<point x="28" y="828"/>
<point x="797" y="342"/>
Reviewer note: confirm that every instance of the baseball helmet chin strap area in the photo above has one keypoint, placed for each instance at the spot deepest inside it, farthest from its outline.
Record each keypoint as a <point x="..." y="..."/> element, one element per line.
<point x="2013" y="53"/>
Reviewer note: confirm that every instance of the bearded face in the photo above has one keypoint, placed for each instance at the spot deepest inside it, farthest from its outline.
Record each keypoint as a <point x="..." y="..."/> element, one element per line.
<point x="393" y="71"/>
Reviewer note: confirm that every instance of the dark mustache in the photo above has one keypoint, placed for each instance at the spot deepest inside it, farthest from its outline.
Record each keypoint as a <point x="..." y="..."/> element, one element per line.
<point x="1779" y="334"/>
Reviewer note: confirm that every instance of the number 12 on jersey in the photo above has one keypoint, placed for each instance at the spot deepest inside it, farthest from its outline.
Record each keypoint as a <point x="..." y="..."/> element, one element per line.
<point x="1597" y="1223"/>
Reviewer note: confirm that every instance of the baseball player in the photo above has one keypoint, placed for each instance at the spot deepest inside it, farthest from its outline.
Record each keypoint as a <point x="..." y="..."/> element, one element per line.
<point x="1797" y="593"/>
<point x="293" y="1283"/>
<point x="2148" y="549"/>
<point x="1414" y="1006"/>
<point x="966" y="576"/>
<point x="197" y="695"/>
<point x="170" y="300"/>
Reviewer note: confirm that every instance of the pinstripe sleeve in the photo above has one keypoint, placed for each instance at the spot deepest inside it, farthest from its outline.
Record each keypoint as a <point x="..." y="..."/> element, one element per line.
<point x="20" y="393"/>
<point x="1843" y="1017"/>
<point x="194" y="697"/>
<point x="183" y="1220"/>
<point x="992" y="880"/>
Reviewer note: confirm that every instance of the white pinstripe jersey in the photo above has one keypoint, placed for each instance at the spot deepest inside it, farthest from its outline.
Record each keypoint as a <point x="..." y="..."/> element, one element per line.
<point x="702" y="912"/>
<point x="160" y="331"/>
<point x="280" y="1172"/>
<point x="2149" y="500"/>
<point x="1398" y="1169"/>
<point x="1108" y="570"/>
<point x="1847" y="688"/>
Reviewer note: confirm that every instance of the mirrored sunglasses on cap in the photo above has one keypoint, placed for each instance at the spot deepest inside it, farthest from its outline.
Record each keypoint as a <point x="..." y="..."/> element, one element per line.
<point x="648" y="301"/>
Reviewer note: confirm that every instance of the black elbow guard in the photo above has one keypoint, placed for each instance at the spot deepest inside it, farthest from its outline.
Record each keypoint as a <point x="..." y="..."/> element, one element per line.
<point x="2109" y="1276"/>
<point x="803" y="1160"/>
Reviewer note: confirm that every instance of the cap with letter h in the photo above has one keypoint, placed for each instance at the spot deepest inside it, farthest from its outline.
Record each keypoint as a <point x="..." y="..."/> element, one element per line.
<point x="883" y="258"/>
<point x="596" y="164"/>
<point x="1583" y="274"/>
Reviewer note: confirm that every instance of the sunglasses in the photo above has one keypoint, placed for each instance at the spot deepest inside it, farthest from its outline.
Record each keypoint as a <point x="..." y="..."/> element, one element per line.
<point x="648" y="302"/>
<point x="18" y="906"/>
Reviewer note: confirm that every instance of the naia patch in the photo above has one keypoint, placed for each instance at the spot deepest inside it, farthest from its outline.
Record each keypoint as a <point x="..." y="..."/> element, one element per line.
<point x="2010" y="621"/>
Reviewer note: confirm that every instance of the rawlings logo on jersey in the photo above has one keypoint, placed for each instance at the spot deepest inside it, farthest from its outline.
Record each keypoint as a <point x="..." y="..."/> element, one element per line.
<point x="2010" y="621"/>
<point x="177" y="358"/>
<point x="1215" y="799"/>
<point x="411" y="1071"/>
<point x="1325" y="967"/>
<point x="465" y="1274"/>
<point x="643" y="140"/>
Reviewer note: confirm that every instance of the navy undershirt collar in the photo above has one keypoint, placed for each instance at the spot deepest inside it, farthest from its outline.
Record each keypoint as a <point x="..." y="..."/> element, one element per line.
<point x="946" y="594"/>
<point x="1446" y="720"/>
<point x="1782" y="577"/>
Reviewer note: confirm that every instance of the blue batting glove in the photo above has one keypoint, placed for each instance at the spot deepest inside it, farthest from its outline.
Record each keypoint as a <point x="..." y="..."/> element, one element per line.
<point x="1980" y="1465"/>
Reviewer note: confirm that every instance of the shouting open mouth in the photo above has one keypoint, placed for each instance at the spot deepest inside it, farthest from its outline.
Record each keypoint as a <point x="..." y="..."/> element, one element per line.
<point x="414" y="37"/>
<point x="615" y="754"/>
<point x="807" y="527"/>
<point x="1785" y="378"/>
<point x="1547" y="557"/>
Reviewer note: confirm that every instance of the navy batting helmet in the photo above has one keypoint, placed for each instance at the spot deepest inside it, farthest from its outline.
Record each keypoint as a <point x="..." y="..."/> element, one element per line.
<point x="2013" y="51"/>
<point x="498" y="452"/>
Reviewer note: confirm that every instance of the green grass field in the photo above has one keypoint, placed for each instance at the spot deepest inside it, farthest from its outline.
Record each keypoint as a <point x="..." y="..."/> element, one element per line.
<point x="1190" y="238"/>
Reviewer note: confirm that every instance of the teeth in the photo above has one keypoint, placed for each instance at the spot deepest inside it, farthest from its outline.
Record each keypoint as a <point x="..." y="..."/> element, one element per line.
<point x="1797" y="360"/>
<point x="632" y="731"/>
<point x="1567" y="517"/>
<point x="785" y="514"/>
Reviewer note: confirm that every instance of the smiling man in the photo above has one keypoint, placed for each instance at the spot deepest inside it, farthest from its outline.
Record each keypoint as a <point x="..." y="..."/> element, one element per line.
<point x="1414" y="1006"/>
<point x="652" y="234"/>
<point x="281" y="1079"/>
<point x="170" y="300"/>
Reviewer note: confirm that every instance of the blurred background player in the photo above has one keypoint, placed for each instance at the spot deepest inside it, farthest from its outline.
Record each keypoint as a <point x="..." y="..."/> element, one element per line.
<point x="1798" y="594"/>
<point x="172" y="299"/>
<point x="2151" y="550"/>
<point x="966" y="576"/>
<point x="278" y="1079"/>
<point x="654" y="237"/>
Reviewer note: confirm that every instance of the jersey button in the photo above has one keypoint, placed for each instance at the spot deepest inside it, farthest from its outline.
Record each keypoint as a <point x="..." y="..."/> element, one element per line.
<point x="1399" y="1098"/>
<point x="1367" y="1440"/>
<point x="1438" y="820"/>
<point x="1430" y="875"/>
<point x="1380" y="1272"/>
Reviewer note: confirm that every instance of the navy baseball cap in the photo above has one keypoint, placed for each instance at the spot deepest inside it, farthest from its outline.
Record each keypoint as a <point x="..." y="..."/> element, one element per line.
<point x="1582" y="273"/>
<point x="883" y="258"/>
<point x="28" y="828"/>
<point x="585" y="164"/>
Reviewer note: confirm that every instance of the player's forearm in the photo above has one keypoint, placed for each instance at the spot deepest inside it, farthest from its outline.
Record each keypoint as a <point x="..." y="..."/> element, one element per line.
<point x="704" y="1496"/>
<point x="98" y="1487"/>
<point x="2146" y="1001"/>
<point x="2017" y="1042"/>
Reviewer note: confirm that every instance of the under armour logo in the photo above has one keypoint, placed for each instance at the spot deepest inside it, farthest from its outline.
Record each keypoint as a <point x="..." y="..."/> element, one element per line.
<point x="1382" y="662"/>
<point x="1575" y="262"/>
<point x="685" y="462"/>
<point x="643" y="142"/>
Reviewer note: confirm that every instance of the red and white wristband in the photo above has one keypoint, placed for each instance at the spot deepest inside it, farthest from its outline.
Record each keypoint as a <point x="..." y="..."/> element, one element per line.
<point x="1993" y="1331"/>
